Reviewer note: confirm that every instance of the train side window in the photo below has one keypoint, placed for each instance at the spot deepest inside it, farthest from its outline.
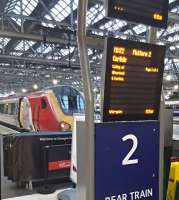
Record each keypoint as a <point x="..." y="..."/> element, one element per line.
<point x="13" y="106"/>
<point x="5" y="108"/>
<point x="72" y="102"/>
<point x="43" y="104"/>
<point x="65" y="102"/>
<point x="9" y="108"/>
<point x="1" y="108"/>
<point x="16" y="108"/>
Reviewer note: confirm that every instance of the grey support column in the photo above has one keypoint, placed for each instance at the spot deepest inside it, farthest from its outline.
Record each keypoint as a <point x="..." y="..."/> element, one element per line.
<point x="85" y="168"/>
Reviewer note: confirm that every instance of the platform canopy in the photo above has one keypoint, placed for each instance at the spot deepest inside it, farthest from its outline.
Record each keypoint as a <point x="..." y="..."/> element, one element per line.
<point x="38" y="43"/>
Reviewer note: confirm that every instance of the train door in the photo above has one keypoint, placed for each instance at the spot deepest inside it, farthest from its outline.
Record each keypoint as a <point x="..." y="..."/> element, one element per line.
<point x="26" y="114"/>
<point x="35" y="107"/>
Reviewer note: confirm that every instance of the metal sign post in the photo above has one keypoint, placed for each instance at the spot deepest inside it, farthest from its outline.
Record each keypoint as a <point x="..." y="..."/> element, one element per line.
<point x="85" y="185"/>
<point x="1" y="162"/>
<point x="152" y="36"/>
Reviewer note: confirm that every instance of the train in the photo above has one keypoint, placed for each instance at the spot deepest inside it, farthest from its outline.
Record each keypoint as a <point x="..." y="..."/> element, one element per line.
<point x="51" y="109"/>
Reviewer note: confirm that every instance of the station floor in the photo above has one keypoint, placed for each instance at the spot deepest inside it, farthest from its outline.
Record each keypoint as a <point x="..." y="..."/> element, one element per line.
<point x="10" y="190"/>
<point x="52" y="196"/>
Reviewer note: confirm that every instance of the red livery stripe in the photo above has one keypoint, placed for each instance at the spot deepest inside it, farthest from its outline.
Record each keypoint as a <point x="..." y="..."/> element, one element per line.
<point x="63" y="164"/>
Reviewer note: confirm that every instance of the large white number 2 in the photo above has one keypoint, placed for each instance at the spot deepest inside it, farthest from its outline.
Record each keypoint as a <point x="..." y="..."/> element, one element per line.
<point x="126" y="160"/>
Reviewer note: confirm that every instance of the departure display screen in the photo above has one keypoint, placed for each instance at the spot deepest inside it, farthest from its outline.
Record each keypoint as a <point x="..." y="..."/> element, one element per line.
<point x="149" y="12"/>
<point x="133" y="80"/>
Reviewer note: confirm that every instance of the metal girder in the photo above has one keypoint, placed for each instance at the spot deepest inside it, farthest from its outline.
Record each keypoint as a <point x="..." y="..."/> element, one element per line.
<point x="32" y="60"/>
<point x="92" y="42"/>
<point x="166" y="36"/>
<point x="96" y="43"/>
<point x="41" y="71"/>
<point x="34" y="21"/>
<point x="28" y="25"/>
<point x="173" y="4"/>
<point x="175" y="70"/>
<point x="33" y="37"/>
<point x="173" y="17"/>
<point x="40" y="12"/>
<point x="64" y="23"/>
<point x="53" y="39"/>
<point x="8" y="58"/>
<point x="173" y="56"/>
<point x="30" y="18"/>
<point x="2" y="5"/>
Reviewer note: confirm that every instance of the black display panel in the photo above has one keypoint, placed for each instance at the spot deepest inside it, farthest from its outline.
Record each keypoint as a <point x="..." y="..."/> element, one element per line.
<point x="149" y="12"/>
<point x="133" y="80"/>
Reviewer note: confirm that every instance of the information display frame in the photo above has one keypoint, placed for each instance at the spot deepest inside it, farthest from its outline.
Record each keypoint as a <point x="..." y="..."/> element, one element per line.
<point x="109" y="44"/>
<point x="117" y="9"/>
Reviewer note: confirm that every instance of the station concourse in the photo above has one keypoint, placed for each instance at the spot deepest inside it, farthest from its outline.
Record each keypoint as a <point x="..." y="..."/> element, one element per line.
<point x="89" y="99"/>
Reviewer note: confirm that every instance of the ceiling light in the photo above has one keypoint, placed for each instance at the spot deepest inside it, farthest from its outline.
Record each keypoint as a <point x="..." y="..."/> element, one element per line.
<point x="55" y="81"/>
<point x="24" y="90"/>
<point x="12" y="92"/>
<point x="169" y="93"/>
<point x="168" y="77"/>
<point x="175" y="87"/>
<point x="35" y="86"/>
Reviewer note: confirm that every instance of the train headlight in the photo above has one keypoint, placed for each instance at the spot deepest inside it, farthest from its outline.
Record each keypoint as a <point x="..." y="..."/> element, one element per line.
<point x="65" y="126"/>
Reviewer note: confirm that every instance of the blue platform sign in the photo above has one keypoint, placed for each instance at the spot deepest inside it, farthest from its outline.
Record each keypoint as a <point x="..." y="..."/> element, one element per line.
<point x="127" y="161"/>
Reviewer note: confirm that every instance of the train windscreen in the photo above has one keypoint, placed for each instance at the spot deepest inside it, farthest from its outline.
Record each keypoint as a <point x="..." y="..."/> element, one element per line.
<point x="70" y="100"/>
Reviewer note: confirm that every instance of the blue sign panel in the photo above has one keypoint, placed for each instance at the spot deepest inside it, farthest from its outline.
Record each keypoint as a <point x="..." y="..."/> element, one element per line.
<point x="127" y="161"/>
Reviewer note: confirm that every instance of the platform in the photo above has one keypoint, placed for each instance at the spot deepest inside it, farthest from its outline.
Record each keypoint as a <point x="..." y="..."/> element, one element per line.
<point x="10" y="189"/>
<point x="4" y="130"/>
<point x="11" y="192"/>
<point x="52" y="196"/>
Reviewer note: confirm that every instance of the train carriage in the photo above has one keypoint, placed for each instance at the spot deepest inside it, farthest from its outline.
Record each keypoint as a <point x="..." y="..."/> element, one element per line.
<point x="9" y="111"/>
<point x="49" y="110"/>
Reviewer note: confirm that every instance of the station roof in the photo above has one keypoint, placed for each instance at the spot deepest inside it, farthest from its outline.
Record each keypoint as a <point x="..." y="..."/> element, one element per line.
<point x="38" y="42"/>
